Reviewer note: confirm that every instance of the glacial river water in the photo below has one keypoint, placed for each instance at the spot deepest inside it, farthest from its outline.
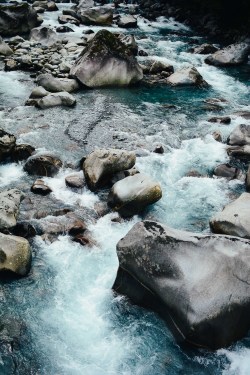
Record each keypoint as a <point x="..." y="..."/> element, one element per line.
<point x="71" y="322"/>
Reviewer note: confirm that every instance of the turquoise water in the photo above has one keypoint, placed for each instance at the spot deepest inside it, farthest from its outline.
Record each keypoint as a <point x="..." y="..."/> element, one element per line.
<point x="71" y="323"/>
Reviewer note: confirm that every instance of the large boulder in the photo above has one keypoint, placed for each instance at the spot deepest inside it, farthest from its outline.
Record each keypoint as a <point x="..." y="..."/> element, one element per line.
<point x="235" y="54"/>
<point x="9" y="207"/>
<point x="7" y="144"/>
<point x="56" y="99"/>
<point x="43" y="165"/>
<point x="131" y="195"/>
<point x="5" y="50"/>
<point x="102" y="164"/>
<point x="106" y="61"/>
<point x="240" y="136"/>
<point x="15" y="255"/>
<point x="187" y="77"/>
<point x="198" y="283"/>
<point x="44" y="35"/>
<point x="95" y="16"/>
<point x="234" y="219"/>
<point x="52" y="84"/>
<point x="17" y="18"/>
<point x="239" y="152"/>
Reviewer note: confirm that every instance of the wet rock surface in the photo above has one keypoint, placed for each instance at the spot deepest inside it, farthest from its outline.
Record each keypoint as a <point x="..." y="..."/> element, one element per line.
<point x="43" y="165"/>
<point x="162" y="268"/>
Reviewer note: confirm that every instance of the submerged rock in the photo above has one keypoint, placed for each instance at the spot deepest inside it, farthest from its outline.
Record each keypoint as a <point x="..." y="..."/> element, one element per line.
<point x="101" y="164"/>
<point x="221" y="120"/>
<point x="240" y="136"/>
<point x="106" y="61"/>
<point x="248" y="180"/>
<point x="131" y="195"/>
<point x="9" y="207"/>
<point x="43" y="165"/>
<point x="56" y="99"/>
<point x="187" y="77"/>
<point x="182" y="276"/>
<point x="234" y="219"/>
<point x="52" y="84"/>
<point x="15" y="255"/>
<point x="235" y="54"/>
<point x="17" y="18"/>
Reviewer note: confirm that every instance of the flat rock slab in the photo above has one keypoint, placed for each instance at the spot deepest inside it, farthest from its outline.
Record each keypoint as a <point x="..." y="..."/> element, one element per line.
<point x="200" y="284"/>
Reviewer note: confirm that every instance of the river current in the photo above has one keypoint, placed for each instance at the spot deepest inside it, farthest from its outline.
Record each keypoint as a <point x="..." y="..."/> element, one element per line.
<point x="72" y="322"/>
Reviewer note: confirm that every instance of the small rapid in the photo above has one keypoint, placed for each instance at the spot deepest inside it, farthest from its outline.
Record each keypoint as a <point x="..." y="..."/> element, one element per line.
<point x="74" y="323"/>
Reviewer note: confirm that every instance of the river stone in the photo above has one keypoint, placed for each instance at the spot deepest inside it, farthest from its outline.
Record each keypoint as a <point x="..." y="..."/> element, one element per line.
<point x="234" y="219"/>
<point x="130" y="42"/>
<point x="248" y="180"/>
<point x="239" y="152"/>
<point x="17" y="18"/>
<point x="235" y="54"/>
<point x="240" y="136"/>
<point x="44" y="35"/>
<point x="40" y="188"/>
<point x="127" y="21"/>
<point x="52" y="84"/>
<point x="75" y="181"/>
<point x="56" y="99"/>
<point x="95" y="16"/>
<point x="220" y="120"/>
<point x="106" y="61"/>
<point x="198" y="283"/>
<point x="205" y="49"/>
<point x="227" y="171"/>
<point x="38" y="92"/>
<point x="7" y="144"/>
<point x="22" y="152"/>
<point x="66" y="18"/>
<point x="9" y="207"/>
<point x="5" y="50"/>
<point x="133" y="194"/>
<point x="101" y="164"/>
<point x="15" y="254"/>
<point x="43" y="165"/>
<point x="159" y="67"/>
<point x="187" y="77"/>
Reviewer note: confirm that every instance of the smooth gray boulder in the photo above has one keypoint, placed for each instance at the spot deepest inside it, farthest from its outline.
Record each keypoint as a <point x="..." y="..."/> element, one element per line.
<point x="15" y="255"/>
<point x="106" y="61"/>
<point x="43" y="165"/>
<point x="235" y="54"/>
<point x="52" y="84"/>
<point x="17" y="18"/>
<point x="95" y="16"/>
<point x="200" y="284"/>
<point x="240" y="136"/>
<point x="7" y="144"/>
<point x="102" y="164"/>
<point x="127" y="21"/>
<point x="44" y="35"/>
<point x="9" y="207"/>
<point x="38" y="92"/>
<point x="234" y="220"/>
<point x="56" y="99"/>
<point x="5" y="50"/>
<point x="187" y="77"/>
<point x="131" y="195"/>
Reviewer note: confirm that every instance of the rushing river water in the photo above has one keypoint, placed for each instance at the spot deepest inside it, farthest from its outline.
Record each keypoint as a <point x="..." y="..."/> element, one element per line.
<point x="71" y="322"/>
